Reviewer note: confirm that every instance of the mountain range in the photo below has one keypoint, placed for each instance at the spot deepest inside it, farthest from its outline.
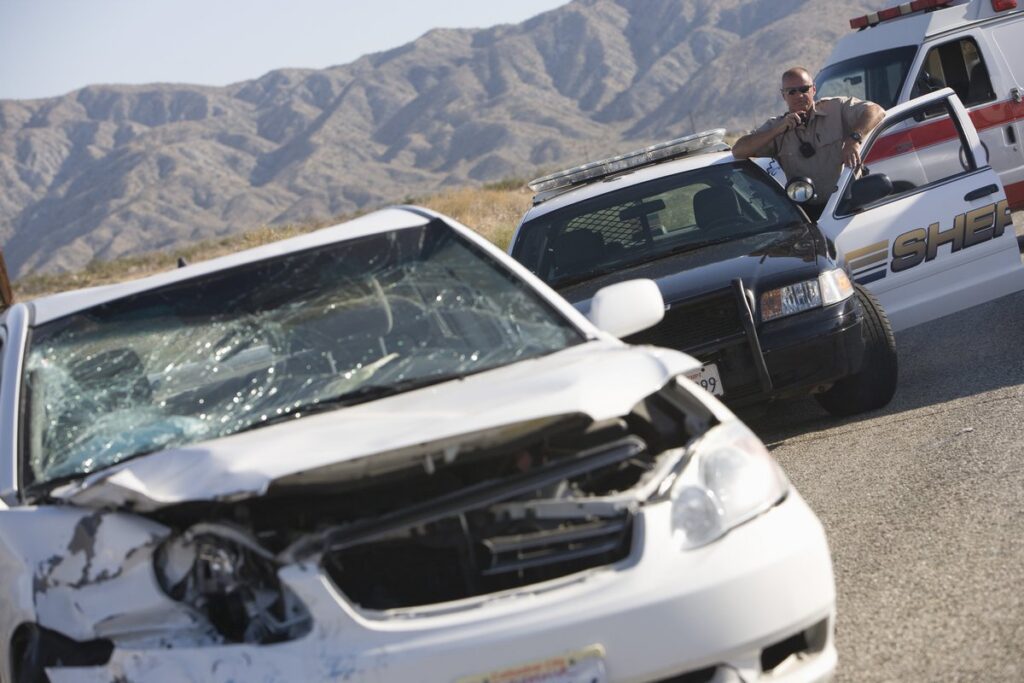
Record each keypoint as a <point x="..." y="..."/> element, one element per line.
<point x="110" y="170"/>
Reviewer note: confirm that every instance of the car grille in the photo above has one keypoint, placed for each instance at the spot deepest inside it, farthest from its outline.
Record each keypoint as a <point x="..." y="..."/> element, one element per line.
<point x="694" y="323"/>
<point x="559" y="547"/>
<point x="460" y="560"/>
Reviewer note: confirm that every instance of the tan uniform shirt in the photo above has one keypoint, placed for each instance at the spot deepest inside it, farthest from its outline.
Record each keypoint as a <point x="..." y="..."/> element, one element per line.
<point x="829" y="126"/>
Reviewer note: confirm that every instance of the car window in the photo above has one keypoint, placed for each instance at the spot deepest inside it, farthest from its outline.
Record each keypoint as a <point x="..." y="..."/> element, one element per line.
<point x="906" y="160"/>
<point x="238" y="349"/>
<point x="653" y="220"/>
<point x="959" y="65"/>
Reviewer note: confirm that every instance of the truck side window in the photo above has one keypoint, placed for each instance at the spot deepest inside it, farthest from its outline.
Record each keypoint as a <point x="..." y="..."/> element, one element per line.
<point x="957" y="64"/>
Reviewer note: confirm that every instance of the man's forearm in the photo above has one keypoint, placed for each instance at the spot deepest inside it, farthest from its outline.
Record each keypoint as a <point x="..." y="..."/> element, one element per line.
<point x="745" y="147"/>
<point x="868" y="119"/>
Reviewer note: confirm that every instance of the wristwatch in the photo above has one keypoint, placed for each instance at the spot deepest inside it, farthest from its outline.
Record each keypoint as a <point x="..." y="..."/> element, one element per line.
<point x="856" y="137"/>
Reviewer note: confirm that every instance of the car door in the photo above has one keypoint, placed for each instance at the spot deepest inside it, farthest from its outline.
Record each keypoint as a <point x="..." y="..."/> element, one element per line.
<point x="925" y="228"/>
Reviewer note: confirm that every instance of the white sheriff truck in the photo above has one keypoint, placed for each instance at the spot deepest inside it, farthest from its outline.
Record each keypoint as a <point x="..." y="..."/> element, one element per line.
<point x="975" y="47"/>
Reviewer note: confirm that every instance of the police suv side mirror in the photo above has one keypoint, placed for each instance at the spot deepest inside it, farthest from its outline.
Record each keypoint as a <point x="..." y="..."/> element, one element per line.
<point x="627" y="307"/>
<point x="868" y="189"/>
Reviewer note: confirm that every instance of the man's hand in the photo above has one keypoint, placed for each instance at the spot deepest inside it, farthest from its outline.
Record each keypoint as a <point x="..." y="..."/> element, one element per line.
<point x="789" y="122"/>
<point x="851" y="153"/>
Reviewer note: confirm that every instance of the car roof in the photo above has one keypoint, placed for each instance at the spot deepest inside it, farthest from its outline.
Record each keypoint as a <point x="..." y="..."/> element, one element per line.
<point x="56" y="306"/>
<point x="630" y="178"/>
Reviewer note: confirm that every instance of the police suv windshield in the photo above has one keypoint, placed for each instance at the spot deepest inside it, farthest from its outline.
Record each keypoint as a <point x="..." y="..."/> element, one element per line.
<point x="274" y="340"/>
<point x="651" y="220"/>
<point x="877" y="76"/>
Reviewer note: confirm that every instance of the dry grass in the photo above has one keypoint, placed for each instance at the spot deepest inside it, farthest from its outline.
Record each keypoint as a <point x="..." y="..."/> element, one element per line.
<point x="493" y="211"/>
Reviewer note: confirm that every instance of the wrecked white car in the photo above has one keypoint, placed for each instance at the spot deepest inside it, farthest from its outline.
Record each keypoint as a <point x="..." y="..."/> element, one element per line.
<point x="385" y="452"/>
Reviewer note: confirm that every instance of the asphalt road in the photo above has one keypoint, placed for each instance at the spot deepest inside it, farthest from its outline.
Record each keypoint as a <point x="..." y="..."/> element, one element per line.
<point x="923" y="503"/>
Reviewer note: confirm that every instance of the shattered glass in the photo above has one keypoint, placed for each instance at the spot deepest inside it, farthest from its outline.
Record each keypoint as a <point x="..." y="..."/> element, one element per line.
<point x="279" y="339"/>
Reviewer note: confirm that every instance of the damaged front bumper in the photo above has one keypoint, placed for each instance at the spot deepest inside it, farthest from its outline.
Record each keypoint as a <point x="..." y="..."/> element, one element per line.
<point x="757" y="605"/>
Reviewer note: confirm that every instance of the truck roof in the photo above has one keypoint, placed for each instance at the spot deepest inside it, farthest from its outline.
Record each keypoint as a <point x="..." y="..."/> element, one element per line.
<point x="915" y="27"/>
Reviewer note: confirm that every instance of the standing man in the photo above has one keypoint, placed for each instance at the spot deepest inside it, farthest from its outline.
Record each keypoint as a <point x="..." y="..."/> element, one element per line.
<point x="813" y="139"/>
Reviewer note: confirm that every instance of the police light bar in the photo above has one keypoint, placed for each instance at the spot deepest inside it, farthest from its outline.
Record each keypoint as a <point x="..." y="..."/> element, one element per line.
<point x="896" y="12"/>
<point x="698" y="142"/>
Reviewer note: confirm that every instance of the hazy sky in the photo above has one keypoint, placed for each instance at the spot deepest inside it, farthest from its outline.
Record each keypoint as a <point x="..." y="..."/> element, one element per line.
<point x="50" y="47"/>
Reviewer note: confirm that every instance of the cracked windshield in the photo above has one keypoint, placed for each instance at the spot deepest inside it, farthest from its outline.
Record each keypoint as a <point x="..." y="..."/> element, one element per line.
<point x="271" y="341"/>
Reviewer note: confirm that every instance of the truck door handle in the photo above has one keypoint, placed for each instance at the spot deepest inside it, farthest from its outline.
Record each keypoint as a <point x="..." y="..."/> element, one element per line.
<point x="981" y="192"/>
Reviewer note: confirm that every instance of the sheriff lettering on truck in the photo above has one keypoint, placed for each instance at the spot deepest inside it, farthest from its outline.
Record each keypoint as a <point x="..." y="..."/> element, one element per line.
<point x="975" y="47"/>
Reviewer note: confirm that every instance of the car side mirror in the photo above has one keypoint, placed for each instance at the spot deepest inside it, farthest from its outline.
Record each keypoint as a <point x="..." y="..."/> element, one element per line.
<point x="800" y="190"/>
<point x="868" y="189"/>
<point x="627" y="307"/>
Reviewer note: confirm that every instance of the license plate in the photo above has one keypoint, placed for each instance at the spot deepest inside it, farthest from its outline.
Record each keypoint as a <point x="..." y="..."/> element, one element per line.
<point x="707" y="377"/>
<point x="578" y="666"/>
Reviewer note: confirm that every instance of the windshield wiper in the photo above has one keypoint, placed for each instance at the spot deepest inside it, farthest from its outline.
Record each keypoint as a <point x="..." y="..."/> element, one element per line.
<point x="582" y="277"/>
<point x="361" y="394"/>
<point x="694" y="246"/>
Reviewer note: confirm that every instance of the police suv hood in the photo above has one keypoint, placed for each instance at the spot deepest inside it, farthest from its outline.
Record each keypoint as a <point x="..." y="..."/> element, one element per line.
<point x="763" y="261"/>
<point x="597" y="379"/>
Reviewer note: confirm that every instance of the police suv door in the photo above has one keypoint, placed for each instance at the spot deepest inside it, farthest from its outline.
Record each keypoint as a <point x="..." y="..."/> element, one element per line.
<point x="926" y="229"/>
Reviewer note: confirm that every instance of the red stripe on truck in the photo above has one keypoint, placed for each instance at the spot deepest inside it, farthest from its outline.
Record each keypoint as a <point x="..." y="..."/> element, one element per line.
<point x="1015" y="195"/>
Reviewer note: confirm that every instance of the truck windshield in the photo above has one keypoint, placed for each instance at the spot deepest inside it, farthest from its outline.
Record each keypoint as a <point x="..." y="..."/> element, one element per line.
<point x="278" y="339"/>
<point x="652" y="220"/>
<point x="877" y="76"/>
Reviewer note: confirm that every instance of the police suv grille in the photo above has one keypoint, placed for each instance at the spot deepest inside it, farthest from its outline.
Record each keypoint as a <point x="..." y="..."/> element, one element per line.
<point x="695" y="323"/>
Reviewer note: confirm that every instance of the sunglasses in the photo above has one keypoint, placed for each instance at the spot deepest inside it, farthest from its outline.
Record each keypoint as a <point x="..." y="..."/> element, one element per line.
<point x="803" y="89"/>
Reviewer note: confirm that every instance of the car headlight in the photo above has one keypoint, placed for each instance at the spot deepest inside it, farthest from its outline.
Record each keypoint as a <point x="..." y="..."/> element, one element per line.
<point x="233" y="583"/>
<point x="730" y="479"/>
<point x="830" y="287"/>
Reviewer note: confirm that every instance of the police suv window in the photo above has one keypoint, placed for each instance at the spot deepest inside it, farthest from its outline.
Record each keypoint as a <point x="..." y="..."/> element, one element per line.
<point x="958" y="65"/>
<point x="901" y="161"/>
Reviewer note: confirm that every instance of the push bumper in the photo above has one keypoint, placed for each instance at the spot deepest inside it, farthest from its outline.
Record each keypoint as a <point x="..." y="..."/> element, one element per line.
<point x="661" y="613"/>
<point x="800" y="353"/>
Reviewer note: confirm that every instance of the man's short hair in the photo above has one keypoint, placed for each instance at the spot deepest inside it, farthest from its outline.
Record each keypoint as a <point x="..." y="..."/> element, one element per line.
<point x="797" y="71"/>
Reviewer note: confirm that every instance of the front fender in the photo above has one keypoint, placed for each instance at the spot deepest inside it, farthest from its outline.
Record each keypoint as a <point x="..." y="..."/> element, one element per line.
<point x="78" y="571"/>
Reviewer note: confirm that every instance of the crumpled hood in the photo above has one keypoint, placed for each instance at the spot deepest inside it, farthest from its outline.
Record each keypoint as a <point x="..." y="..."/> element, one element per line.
<point x="597" y="379"/>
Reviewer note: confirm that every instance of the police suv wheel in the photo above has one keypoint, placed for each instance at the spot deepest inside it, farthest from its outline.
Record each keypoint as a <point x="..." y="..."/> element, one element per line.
<point x="874" y="385"/>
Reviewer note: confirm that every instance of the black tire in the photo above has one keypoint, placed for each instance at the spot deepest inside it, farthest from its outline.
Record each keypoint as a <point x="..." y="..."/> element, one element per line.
<point x="874" y="385"/>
